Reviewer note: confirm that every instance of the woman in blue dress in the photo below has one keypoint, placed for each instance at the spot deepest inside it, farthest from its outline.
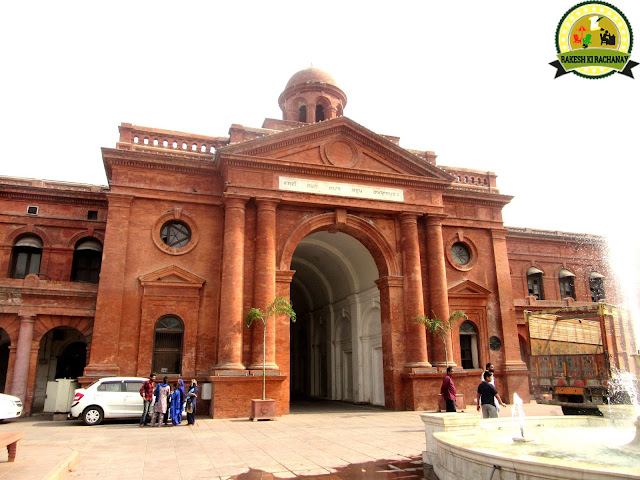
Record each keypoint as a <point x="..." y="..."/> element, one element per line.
<point x="175" y="411"/>
<point x="192" y="396"/>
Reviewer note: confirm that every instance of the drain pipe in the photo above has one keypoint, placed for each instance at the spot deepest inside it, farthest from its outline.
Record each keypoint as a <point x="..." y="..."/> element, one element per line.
<point x="495" y="467"/>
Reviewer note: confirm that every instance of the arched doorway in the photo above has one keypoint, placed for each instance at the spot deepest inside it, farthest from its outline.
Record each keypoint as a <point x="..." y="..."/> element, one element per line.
<point x="62" y="354"/>
<point x="336" y="346"/>
<point x="4" y="358"/>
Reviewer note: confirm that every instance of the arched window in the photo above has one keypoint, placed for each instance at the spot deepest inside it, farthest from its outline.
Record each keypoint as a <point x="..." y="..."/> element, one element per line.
<point x="566" y="279"/>
<point x="469" y="345"/>
<point x="26" y="256"/>
<point x="596" y="285"/>
<point x="534" y="282"/>
<point x="167" y="345"/>
<point x="302" y="114"/>
<point x="87" y="259"/>
<point x="319" y="113"/>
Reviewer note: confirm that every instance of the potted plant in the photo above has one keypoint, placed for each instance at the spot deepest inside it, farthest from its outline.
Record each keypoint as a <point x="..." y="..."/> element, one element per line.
<point x="440" y="328"/>
<point x="265" y="408"/>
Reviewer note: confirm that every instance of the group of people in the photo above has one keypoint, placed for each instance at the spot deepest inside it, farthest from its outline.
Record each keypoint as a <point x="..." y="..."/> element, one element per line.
<point x="488" y="398"/>
<point x="162" y="402"/>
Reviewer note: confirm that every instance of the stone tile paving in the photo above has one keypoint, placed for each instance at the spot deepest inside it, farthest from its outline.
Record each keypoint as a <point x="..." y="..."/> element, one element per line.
<point x="314" y="440"/>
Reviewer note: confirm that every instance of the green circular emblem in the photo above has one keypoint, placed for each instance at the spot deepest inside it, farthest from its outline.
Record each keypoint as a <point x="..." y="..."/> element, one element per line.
<point x="594" y="40"/>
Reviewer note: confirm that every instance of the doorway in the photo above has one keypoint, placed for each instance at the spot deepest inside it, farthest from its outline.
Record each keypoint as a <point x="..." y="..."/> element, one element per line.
<point x="336" y="344"/>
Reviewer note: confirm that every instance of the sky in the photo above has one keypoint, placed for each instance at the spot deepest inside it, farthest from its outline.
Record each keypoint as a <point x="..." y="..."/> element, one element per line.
<point x="469" y="80"/>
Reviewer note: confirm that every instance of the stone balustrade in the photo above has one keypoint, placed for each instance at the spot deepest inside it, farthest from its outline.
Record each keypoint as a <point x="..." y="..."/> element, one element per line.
<point x="472" y="178"/>
<point x="135" y="138"/>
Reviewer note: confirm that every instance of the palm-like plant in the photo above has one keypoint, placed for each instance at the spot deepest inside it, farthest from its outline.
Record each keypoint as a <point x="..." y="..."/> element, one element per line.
<point x="279" y="306"/>
<point x="439" y="327"/>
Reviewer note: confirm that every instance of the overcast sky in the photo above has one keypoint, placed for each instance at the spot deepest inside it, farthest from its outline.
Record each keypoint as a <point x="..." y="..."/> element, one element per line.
<point x="469" y="80"/>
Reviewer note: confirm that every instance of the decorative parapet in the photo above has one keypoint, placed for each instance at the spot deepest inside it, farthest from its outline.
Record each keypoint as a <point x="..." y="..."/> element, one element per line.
<point x="473" y="178"/>
<point x="556" y="235"/>
<point x="133" y="137"/>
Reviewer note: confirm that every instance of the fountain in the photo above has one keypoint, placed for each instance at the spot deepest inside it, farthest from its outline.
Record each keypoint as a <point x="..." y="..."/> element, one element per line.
<point x="517" y="412"/>
<point x="466" y="447"/>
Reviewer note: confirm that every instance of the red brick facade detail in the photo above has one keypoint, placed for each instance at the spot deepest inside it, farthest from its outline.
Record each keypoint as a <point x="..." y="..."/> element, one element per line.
<point x="362" y="264"/>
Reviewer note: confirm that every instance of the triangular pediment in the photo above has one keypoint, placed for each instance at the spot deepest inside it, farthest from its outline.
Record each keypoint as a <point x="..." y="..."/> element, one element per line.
<point x="172" y="276"/>
<point x="340" y="143"/>
<point x="468" y="288"/>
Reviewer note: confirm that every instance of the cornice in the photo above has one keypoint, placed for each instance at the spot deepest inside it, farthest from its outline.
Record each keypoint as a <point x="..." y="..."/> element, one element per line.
<point x="57" y="196"/>
<point x="463" y="195"/>
<point x="157" y="160"/>
<point x="557" y="236"/>
<point x="333" y="172"/>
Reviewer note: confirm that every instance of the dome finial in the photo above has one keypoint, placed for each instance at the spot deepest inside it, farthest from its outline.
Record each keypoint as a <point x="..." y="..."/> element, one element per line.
<point x="311" y="95"/>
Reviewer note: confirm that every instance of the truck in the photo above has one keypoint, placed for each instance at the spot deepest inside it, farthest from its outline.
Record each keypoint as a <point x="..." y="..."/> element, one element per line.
<point x="575" y="353"/>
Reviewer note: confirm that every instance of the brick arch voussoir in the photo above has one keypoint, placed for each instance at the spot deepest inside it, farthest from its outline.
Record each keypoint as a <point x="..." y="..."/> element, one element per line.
<point x="12" y="327"/>
<point x="13" y="235"/>
<point x="367" y="234"/>
<point x="47" y="323"/>
<point x="85" y="235"/>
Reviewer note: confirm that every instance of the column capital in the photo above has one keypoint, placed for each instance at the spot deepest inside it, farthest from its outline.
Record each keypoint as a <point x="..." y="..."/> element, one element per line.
<point x="284" y="276"/>
<point x="27" y="317"/>
<point x="117" y="200"/>
<point x="390" y="281"/>
<point x="435" y="219"/>
<point x="498" y="233"/>
<point x="267" y="203"/>
<point x="409" y="217"/>
<point x="234" y="200"/>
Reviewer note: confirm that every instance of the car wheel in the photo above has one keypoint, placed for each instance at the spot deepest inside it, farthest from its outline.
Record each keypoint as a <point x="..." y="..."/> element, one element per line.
<point x="92" y="415"/>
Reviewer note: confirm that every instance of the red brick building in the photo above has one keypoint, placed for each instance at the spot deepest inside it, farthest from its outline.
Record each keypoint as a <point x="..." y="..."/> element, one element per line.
<point x="156" y="271"/>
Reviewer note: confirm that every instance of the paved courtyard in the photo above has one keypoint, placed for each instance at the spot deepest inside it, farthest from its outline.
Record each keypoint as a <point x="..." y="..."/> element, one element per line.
<point x="315" y="439"/>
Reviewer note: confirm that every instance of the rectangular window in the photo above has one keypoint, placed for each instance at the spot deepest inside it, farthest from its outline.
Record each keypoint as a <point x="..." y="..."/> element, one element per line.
<point x="567" y="288"/>
<point x="92" y="215"/>
<point x="32" y="210"/>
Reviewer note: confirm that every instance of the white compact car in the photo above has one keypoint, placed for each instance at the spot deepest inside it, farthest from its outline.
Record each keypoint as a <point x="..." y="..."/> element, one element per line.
<point x="10" y="406"/>
<point x="111" y="397"/>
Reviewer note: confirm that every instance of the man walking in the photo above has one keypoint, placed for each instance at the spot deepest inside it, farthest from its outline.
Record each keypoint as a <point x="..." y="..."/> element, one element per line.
<point x="448" y="390"/>
<point x="487" y="395"/>
<point x="146" y="392"/>
<point x="490" y="368"/>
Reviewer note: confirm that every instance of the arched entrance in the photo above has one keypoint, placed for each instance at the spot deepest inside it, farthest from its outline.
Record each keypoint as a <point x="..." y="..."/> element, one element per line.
<point x="336" y="344"/>
<point x="4" y="358"/>
<point x="62" y="354"/>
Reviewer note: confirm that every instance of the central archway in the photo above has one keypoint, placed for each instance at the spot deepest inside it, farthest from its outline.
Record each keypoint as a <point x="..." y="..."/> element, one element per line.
<point x="336" y="344"/>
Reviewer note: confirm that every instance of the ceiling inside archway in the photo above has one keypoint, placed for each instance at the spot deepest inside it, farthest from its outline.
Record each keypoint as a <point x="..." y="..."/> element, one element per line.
<point x="329" y="267"/>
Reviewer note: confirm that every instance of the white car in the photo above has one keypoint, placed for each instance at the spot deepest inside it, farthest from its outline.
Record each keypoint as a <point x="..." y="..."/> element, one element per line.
<point x="111" y="397"/>
<point x="10" y="407"/>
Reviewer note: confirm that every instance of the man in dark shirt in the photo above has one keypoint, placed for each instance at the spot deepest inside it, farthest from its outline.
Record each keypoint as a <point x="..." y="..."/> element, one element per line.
<point x="448" y="390"/>
<point x="487" y="394"/>
<point x="146" y="392"/>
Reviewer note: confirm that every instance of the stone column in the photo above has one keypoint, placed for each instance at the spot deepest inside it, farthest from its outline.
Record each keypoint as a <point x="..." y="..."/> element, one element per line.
<point x="413" y="297"/>
<point x="23" y="355"/>
<point x="264" y="286"/>
<point x="505" y="299"/>
<point x="109" y="303"/>
<point x="231" y="304"/>
<point x="515" y="376"/>
<point x="438" y="289"/>
<point x="393" y="340"/>
<point x="283" y="338"/>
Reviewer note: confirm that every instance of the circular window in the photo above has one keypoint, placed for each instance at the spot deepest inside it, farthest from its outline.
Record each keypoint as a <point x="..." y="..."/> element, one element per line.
<point x="460" y="253"/>
<point x="495" y="343"/>
<point x="175" y="234"/>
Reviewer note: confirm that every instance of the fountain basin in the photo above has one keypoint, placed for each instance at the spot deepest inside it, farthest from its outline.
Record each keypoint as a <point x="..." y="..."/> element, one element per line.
<point x="557" y="450"/>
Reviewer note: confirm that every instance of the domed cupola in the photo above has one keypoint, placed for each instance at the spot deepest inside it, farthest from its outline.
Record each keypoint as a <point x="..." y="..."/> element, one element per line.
<point x="312" y="95"/>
